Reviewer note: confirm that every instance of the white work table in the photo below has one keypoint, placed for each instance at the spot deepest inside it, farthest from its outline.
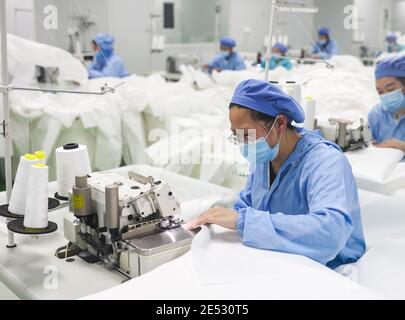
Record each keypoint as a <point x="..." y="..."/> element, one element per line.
<point x="25" y="269"/>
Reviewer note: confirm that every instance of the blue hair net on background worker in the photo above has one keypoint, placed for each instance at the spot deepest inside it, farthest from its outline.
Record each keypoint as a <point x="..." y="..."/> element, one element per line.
<point x="392" y="45"/>
<point x="228" y="59"/>
<point x="326" y="46"/>
<point x="278" y="57"/>
<point x="106" y="63"/>
<point x="387" y="119"/>
<point x="301" y="196"/>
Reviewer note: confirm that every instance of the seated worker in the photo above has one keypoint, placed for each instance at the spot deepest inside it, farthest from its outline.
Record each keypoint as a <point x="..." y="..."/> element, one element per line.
<point x="106" y="63"/>
<point x="278" y="57"/>
<point x="301" y="196"/>
<point x="392" y="45"/>
<point x="228" y="59"/>
<point x="326" y="46"/>
<point x="387" y="119"/>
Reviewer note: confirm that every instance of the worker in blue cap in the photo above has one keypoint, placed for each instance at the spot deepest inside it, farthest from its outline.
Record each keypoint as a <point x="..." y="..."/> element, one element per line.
<point x="228" y="59"/>
<point x="387" y="119"/>
<point x="326" y="46"/>
<point x="301" y="196"/>
<point x="278" y="57"/>
<point x="106" y="63"/>
<point x="392" y="44"/>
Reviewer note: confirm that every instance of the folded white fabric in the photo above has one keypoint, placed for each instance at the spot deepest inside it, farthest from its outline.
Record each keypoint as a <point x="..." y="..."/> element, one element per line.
<point x="382" y="268"/>
<point x="222" y="268"/>
<point x="374" y="167"/>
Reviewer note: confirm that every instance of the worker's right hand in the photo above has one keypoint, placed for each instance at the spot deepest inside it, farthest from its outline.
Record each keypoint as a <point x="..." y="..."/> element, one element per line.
<point x="218" y="215"/>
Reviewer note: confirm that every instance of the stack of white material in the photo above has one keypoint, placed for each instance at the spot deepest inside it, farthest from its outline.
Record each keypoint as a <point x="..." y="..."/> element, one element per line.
<point x="25" y="54"/>
<point x="220" y="267"/>
<point x="378" y="169"/>
<point x="381" y="269"/>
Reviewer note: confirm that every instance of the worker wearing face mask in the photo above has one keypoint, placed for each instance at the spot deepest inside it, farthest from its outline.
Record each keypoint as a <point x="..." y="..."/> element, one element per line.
<point x="392" y="45"/>
<point x="278" y="57"/>
<point x="301" y="196"/>
<point x="387" y="119"/>
<point x="326" y="46"/>
<point x="228" y="59"/>
<point x="106" y="63"/>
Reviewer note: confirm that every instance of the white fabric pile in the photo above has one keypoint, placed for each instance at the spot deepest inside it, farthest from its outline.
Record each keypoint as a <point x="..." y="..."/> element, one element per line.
<point x="378" y="169"/>
<point x="24" y="55"/>
<point x="219" y="267"/>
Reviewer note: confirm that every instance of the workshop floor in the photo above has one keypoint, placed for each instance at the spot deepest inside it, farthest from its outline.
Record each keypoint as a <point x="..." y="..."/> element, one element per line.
<point x="6" y="294"/>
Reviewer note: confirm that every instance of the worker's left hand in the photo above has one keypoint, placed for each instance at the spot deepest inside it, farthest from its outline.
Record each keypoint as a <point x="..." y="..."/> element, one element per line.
<point x="217" y="215"/>
<point x="394" y="143"/>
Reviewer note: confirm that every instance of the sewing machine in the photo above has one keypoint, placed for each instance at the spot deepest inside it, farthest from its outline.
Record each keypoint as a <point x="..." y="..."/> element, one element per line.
<point x="346" y="133"/>
<point x="130" y="224"/>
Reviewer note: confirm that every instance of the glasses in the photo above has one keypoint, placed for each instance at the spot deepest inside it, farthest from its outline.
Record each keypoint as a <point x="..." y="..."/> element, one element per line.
<point x="251" y="137"/>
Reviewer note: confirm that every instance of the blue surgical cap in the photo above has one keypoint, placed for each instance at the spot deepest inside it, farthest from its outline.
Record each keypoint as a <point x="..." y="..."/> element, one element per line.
<point x="227" y="42"/>
<point x="105" y="41"/>
<point x="283" y="48"/>
<point x="391" y="67"/>
<point x="391" y="38"/>
<point x="266" y="98"/>
<point x="323" y="32"/>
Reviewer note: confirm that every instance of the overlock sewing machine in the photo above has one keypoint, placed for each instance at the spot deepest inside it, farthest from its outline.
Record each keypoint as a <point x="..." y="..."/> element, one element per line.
<point x="345" y="134"/>
<point x="130" y="224"/>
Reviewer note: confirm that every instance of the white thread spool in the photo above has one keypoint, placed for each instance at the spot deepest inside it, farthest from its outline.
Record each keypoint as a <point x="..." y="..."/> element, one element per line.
<point x="71" y="160"/>
<point x="293" y="89"/>
<point x="36" y="210"/>
<point x="19" y="193"/>
<point x="310" y="107"/>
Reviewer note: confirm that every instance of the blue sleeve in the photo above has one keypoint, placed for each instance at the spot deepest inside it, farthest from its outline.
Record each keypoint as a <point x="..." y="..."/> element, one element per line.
<point x="323" y="232"/>
<point x="273" y="64"/>
<point x="373" y="124"/>
<point x="286" y="63"/>
<point x="215" y="63"/>
<point x="239" y="64"/>
<point x="332" y="48"/>
<point x="113" y="68"/>
<point x="316" y="48"/>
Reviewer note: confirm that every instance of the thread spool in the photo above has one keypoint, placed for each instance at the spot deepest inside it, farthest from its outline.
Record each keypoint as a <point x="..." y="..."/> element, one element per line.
<point x="40" y="155"/>
<point x="293" y="89"/>
<point x="72" y="160"/>
<point x="310" y="107"/>
<point x="36" y="211"/>
<point x="19" y="193"/>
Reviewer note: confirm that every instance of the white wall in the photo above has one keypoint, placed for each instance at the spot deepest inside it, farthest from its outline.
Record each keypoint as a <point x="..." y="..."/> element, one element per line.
<point x="68" y="11"/>
<point x="129" y="22"/>
<point x="21" y="18"/>
<point x="249" y="24"/>
<point x="399" y="16"/>
<point x="246" y="21"/>
<point x="331" y="14"/>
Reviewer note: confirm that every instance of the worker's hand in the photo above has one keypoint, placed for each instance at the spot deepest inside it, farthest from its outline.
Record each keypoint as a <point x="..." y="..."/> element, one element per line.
<point x="217" y="215"/>
<point x="394" y="143"/>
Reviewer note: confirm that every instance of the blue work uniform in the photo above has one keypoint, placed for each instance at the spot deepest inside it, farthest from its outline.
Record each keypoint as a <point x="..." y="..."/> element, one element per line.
<point x="233" y="62"/>
<point x="274" y="63"/>
<point x="112" y="66"/>
<point x="326" y="50"/>
<point x="384" y="126"/>
<point x="311" y="208"/>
